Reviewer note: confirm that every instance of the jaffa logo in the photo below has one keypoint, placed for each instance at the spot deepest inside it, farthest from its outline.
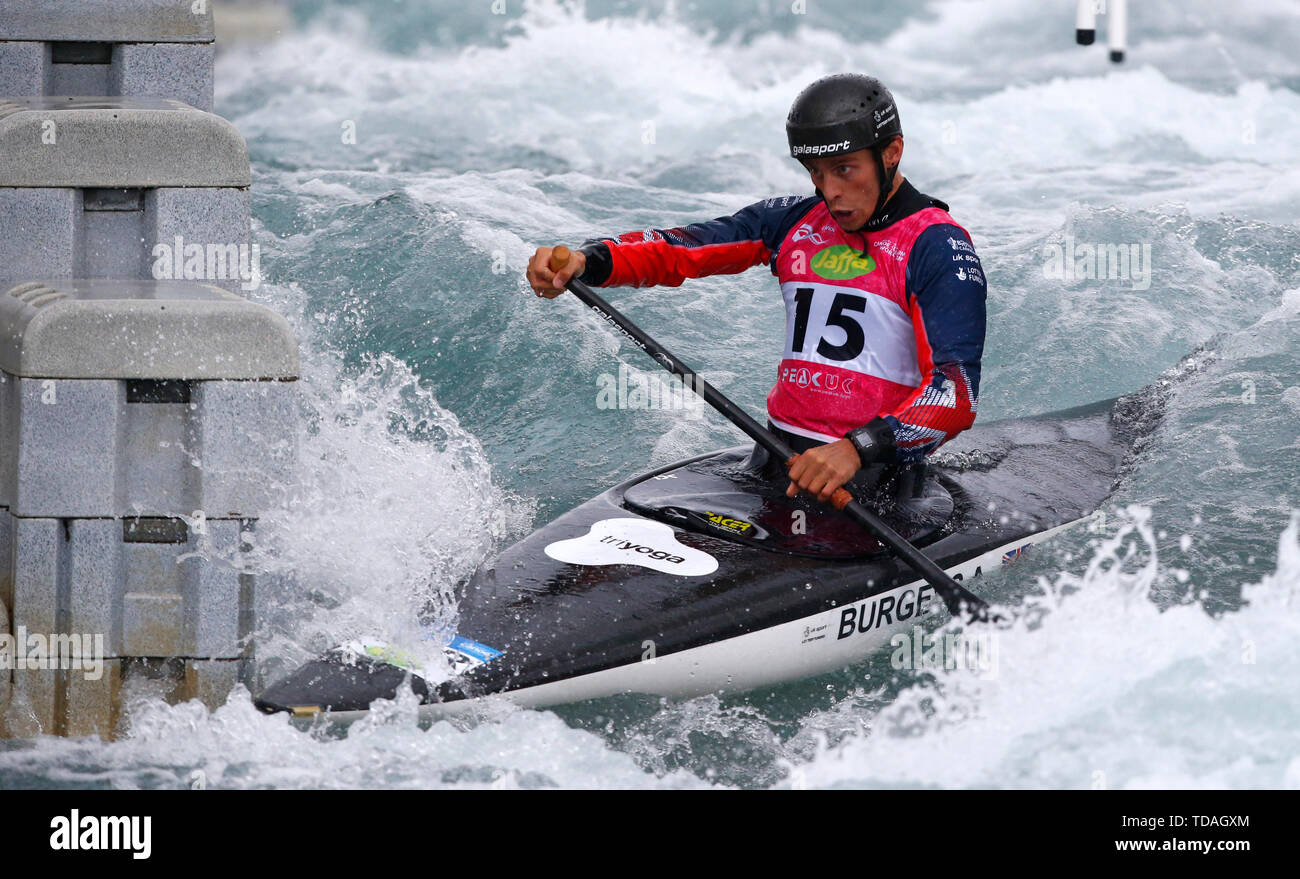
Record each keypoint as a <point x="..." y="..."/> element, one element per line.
<point x="841" y="262"/>
<point x="633" y="542"/>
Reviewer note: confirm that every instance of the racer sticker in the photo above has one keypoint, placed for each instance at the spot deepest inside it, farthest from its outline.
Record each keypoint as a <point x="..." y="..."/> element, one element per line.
<point x="723" y="522"/>
<point x="633" y="542"/>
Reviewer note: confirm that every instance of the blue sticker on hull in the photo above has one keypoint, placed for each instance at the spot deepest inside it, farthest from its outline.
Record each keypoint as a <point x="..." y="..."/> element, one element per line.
<point x="473" y="649"/>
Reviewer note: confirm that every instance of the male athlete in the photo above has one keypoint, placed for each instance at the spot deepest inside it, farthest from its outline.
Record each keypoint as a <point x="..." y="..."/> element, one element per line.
<point x="884" y="293"/>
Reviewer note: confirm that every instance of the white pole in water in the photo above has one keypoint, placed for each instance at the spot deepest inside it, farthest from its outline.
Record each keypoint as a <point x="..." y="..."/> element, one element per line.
<point x="1085" y="22"/>
<point x="1117" y="29"/>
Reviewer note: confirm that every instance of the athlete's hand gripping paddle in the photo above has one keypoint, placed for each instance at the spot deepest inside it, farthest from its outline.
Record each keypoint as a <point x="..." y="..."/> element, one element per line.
<point x="957" y="598"/>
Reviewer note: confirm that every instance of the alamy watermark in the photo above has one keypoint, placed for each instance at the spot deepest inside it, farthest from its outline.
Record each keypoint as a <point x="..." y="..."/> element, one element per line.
<point x="75" y="652"/>
<point x="77" y="832"/>
<point x="177" y="260"/>
<point x="640" y="390"/>
<point x="921" y="651"/>
<point x="1114" y="261"/>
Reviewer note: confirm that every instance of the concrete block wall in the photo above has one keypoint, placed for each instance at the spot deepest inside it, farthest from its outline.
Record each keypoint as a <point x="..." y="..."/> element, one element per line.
<point x="128" y="398"/>
<point x="101" y="450"/>
<point x="147" y="410"/>
<point x="70" y="704"/>
<point x="141" y="188"/>
<point x="118" y="48"/>
<point x="143" y="426"/>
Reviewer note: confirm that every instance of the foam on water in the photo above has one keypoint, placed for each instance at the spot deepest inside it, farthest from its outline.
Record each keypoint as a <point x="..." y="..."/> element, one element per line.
<point x="1096" y="687"/>
<point x="237" y="747"/>
<point x="393" y="507"/>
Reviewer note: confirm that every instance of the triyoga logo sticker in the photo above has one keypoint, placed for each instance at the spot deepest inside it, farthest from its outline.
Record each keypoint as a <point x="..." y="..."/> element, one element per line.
<point x="633" y="542"/>
<point x="841" y="262"/>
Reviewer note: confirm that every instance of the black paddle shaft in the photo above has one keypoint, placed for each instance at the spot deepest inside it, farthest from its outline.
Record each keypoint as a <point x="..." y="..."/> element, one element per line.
<point x="954" y="595"/>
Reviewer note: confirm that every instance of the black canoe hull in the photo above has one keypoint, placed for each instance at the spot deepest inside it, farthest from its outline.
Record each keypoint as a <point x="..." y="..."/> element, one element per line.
<point x="643" y="589"/>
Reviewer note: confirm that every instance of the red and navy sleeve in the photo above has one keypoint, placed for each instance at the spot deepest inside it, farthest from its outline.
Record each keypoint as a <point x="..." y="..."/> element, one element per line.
<point x="946" y="293"/>
<point x="726" y="245"/>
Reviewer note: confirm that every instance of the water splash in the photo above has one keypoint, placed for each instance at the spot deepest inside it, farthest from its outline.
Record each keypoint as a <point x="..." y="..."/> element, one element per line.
<point x="1098" y="687"/>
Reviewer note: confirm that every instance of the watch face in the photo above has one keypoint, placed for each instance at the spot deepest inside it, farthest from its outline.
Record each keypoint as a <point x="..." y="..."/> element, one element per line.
<point x="862" y="440"/>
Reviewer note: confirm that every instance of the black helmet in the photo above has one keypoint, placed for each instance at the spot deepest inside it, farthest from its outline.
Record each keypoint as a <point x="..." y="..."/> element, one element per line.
<point x="842" y="114"/>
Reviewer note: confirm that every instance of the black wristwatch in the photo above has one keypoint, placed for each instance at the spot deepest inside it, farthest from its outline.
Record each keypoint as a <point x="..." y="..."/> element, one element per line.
<point x="874" y="442"/>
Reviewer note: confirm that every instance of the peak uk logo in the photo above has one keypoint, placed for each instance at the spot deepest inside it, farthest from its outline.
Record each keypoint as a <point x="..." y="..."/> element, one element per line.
<point x="841" y="262"/>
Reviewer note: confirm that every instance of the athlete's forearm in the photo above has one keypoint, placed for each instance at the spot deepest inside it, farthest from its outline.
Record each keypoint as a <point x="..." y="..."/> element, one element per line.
<point x="944" y="407"/>
<point x="662" y="258"/>
<point x="725" y="245"/>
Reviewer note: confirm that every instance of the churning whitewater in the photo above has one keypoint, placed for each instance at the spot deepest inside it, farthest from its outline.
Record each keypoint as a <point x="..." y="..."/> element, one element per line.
<point x="1137" y="227"/>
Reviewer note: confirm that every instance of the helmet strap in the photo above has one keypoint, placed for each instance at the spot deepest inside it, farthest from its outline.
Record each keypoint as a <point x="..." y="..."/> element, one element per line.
<point x="886" y="178"/>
